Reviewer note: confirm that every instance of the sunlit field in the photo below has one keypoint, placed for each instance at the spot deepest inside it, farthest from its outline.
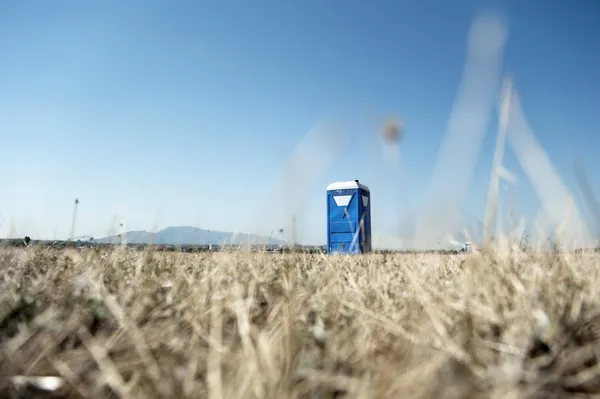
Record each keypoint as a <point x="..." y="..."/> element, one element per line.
<point x="240" y="325"/>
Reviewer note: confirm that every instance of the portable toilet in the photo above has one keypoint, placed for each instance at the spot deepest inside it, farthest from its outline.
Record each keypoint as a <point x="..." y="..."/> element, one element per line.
<point x="348" y="218"/>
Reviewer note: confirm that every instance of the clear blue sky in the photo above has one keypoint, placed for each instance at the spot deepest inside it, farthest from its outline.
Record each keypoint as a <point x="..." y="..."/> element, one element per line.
<point x="180" y="113"/>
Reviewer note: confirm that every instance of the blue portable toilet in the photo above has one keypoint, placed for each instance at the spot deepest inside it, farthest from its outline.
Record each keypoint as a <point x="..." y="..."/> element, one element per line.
<point x="348" y="218"/>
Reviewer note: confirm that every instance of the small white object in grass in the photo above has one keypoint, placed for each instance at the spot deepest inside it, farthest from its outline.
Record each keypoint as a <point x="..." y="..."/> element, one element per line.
<point x="43" y="383"/>
<point x="542" y="322"/>
<point x="318" y="330"/>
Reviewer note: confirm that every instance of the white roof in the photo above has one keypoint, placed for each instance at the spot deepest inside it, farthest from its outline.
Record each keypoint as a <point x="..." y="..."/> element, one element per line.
<point x="345" y="185"/>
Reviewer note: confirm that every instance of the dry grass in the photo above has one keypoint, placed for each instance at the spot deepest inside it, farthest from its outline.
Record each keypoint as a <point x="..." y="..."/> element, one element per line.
<point x="239" y="325"/>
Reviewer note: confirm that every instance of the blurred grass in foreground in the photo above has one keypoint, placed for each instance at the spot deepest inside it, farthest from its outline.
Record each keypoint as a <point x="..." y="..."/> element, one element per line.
<point x="241" y="325"/>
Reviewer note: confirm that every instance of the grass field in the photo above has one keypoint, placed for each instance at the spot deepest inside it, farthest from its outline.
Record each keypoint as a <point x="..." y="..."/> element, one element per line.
<point x="241" y="325"/>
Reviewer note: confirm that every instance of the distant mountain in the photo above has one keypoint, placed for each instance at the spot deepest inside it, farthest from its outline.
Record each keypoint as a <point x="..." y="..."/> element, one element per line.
<point x="187" y="235"/>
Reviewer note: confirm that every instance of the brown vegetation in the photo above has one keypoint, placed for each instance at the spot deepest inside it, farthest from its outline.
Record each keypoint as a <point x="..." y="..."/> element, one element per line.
<point x="241" y="325"/>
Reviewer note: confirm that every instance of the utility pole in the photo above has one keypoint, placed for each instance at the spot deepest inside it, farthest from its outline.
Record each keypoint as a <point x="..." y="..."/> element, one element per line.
<point x="294" y="233"/>
<point x="74" y="219"/>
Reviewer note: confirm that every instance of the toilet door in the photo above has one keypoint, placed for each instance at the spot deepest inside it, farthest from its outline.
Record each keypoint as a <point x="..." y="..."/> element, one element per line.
<point x="343" y="211"/>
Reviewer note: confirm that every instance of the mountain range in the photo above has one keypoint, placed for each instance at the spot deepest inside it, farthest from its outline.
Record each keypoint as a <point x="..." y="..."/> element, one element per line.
<point x="187" y="235"/>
